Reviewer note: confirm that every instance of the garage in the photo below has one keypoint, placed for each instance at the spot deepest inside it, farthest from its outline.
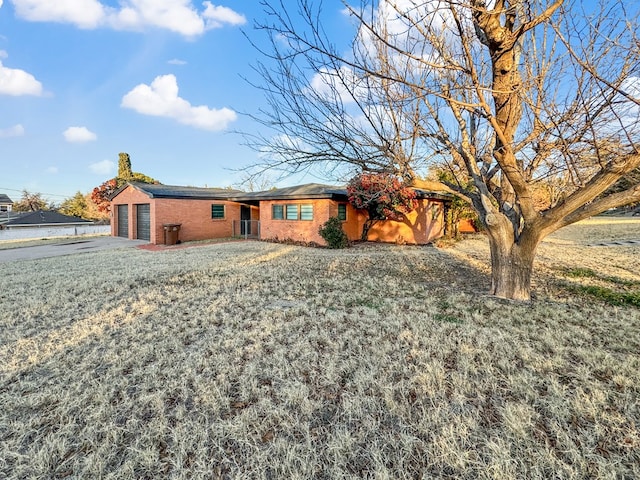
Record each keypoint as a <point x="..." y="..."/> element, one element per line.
<point x="143" y="221"/>
<point x="123" y="221"/>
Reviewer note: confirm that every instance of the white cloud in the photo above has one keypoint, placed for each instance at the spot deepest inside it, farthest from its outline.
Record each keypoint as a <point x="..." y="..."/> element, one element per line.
<point x="105" y="167"/>
<point x="82" y="13"/>
<point x="161" y="99"/>
<point x="217" y="15"/>
<point x="52" y="170"/>
<point x="176" y="61"/>
<point x="79" y="135"/>
<point x="17" y="82"/>
<point x="3" y="54"/>
<point x="175" y="15"/>
<point x="15" y="131"/>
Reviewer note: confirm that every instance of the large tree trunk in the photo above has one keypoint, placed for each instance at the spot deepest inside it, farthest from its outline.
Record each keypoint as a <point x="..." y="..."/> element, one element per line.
<point x="511" y="258"/>
<point x="511" y="269"/>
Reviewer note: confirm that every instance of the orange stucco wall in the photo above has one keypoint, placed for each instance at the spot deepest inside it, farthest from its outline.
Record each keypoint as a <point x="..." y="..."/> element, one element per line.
<point x="193" y="215"/>
<point x="466" y="226"/>
<point x="422" y="226"/>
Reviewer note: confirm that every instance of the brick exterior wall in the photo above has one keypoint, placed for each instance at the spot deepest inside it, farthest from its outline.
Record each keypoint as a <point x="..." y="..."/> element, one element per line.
<point x="296" y="230"/>
<point x="193" y="215"/>
<point x="419" y="227"/>
<point x="195" y="219"/>
<point x="129" y="196"/>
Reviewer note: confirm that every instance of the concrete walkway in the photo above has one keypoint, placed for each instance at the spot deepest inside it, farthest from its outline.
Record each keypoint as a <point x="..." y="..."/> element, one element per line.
<point x="67" y="247"/>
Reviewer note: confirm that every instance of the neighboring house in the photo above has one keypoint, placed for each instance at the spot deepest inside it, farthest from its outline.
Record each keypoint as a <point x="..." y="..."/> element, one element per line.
<point x="6" y="217"/>
<point x="43" y="218"/>
<point x="5" y="203"/>
<point x="147" y="212"/>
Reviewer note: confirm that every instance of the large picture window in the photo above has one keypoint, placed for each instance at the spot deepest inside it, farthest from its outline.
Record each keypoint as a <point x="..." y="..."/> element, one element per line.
<point x="217" y="211"/>
<point x="292" y="211"/>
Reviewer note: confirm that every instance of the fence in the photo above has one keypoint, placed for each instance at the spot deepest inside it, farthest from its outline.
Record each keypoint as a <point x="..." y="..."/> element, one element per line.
<point x="246" y="228"/>
<point x="25" y="233"/>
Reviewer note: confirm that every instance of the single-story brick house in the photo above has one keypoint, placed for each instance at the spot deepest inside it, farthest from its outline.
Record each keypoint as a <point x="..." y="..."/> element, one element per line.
<point x="146" y="211"/>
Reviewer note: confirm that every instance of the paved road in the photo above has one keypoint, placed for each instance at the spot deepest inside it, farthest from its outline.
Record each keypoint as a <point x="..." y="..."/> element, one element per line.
<point x="67" y="247"/>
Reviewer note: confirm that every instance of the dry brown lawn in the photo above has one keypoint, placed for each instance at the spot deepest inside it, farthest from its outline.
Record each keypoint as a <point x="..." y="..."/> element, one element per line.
<point x="263" y="361"/>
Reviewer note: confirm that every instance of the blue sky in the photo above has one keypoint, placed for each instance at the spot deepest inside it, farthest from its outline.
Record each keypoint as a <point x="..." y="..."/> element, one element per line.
<point x="82" y="80"/>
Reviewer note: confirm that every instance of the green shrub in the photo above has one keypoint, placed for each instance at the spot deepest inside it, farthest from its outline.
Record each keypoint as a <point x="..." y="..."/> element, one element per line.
<point x="333" y="234"/>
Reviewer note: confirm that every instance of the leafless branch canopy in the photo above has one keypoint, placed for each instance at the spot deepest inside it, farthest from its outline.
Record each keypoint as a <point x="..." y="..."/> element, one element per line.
<point x="537" y="102"/>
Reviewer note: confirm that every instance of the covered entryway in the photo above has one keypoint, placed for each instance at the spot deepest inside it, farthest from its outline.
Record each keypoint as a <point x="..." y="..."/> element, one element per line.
<point x="123" y="221"/>
<point x="245" y="220"/>
<point x="143" y="221"/>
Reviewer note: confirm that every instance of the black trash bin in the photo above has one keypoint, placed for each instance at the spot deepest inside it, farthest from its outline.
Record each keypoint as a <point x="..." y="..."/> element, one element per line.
<point x="171" y="233"/>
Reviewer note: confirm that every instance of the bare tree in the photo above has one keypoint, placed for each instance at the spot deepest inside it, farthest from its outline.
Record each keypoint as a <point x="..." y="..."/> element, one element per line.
<point x="514" y="94"/>
<point x="31" y="202"/>
<point x="327" y="117"/>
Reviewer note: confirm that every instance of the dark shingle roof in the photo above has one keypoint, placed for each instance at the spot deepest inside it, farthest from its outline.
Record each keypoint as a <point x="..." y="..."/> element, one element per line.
<point x="297" y="192"/>
<point x="6" y="217"/>
<point x="44" y="217"/>
<point x="317" y="190"/>
<point x="174" y="191"/>
<point x="4" y="199"/>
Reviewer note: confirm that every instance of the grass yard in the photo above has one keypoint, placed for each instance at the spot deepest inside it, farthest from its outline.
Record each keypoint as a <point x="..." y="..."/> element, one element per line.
<point x="264" y="361"/>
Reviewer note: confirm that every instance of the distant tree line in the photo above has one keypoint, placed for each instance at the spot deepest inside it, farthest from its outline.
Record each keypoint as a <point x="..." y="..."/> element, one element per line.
<point x="93" y="205"/>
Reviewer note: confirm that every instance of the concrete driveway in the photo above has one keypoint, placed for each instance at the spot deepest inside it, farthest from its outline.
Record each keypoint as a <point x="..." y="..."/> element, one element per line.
<point x="67" y="247"/>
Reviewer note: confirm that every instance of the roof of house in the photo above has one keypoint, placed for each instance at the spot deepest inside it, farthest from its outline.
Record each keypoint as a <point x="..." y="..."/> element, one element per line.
<point x="6" y="217"/>
<point x="317" y="190"/>
<point x="297" y="192"/>
<point x="173" y="191"/>
<point x="5" y="200"/>
<point x="44" y="217"/>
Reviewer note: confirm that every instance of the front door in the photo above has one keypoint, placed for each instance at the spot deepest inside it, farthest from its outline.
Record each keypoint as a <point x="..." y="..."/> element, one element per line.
<point x="245" y="220"/>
